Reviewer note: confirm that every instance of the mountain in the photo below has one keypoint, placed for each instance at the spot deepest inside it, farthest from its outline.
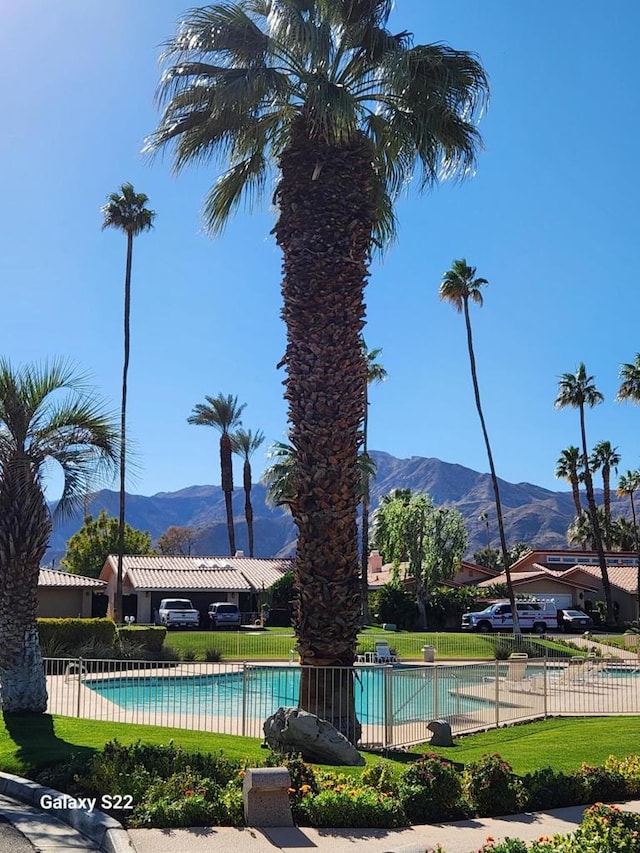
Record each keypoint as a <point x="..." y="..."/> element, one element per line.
<point x="531" y="514"/>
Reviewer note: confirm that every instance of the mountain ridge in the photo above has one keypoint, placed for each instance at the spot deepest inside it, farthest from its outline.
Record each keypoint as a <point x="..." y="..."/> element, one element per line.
<point x="531" y="513"/>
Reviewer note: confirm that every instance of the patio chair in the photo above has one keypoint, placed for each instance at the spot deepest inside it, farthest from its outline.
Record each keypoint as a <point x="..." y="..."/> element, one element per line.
<point x="383" y="653"/>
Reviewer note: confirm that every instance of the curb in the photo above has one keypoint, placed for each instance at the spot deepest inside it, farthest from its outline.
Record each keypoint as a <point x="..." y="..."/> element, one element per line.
<point x="105" y="831"/>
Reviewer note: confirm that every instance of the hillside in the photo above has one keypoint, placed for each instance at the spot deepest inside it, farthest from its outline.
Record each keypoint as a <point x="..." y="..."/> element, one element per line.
<point x="531" y="514"/>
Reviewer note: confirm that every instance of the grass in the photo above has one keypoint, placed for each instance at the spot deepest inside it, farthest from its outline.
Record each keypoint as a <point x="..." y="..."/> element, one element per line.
<point x="31" y="742"/>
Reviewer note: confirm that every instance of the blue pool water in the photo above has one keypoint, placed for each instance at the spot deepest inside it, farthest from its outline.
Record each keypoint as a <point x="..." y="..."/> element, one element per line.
<point x="410" y="693"/>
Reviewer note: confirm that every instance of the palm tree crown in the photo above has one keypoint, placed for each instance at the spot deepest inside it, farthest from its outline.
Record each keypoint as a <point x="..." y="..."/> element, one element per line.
<point x="244" y="444"/>
<point x="577" y="389"/>
<point x="569" y="467"/>
<point x="630" y="381"/>
<point x="459" y="285"/>
<point x="126" y="211"/>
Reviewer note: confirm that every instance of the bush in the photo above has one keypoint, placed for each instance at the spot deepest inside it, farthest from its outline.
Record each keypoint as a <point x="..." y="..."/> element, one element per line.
<point x="150" y="637"/>
<point x="601" y="784"/>
<point x="188" y="799"/>
<point x="212" y="655"/>
<point x="430" y="790"/>
<point x="629" y="769"/>
<point x="69" y="635"/>
<point x="347" y="806"/>
<point x="492" y="788"/>
<point x="380" y="776"/>
<point x="551" y="789"/>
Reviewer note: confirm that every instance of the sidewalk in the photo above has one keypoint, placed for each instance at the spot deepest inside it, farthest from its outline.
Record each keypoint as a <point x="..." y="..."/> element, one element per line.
<point x="460" y="837"/>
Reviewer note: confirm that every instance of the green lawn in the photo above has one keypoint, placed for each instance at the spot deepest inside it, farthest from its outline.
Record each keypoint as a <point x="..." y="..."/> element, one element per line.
<point x="27" y="743"/>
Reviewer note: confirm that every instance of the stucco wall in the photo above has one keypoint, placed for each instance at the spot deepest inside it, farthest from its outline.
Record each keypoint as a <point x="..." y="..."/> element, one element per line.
<point x="60" y="602"/>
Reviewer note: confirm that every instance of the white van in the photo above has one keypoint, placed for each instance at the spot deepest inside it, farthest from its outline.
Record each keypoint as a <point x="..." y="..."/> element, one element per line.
<point x="537" y="615"/>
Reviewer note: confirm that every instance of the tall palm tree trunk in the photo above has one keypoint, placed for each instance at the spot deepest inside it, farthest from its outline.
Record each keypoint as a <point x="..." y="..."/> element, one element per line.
<point x="118" y="608"/>
<point x="324" y="229"/>
<point x="494" y="480"/>
<point x="22" y="680"/>
<point x="575" y="491"/>
<point x="637" y="544"/>
<point x="226" y="471"/>
<point x="595" y="524"/>
<point x="248" y="508"/>
<point x="365" y="503"/>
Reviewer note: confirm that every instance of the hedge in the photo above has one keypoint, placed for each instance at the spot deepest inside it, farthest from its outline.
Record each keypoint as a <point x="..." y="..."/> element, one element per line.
<point x="69" y="635"/>
<point x="149" y="636"/>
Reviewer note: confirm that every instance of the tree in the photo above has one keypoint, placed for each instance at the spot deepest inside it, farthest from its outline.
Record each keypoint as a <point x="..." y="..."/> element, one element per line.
<point x="278" y="477"/>
<point x="393" y="603"/>
<point x="487" y="557"/>
<point x="577" y="390"/>
<point x="432" y="540"/>
<point x="376" y="373"/>
<point x="346" y="112"/>
<point x="88" y="549"/>
<point x="568" y="467"/>
<point x="605" y="457"/>
<point x="484" y="518"/>
<point x="177" y="540"/>
<point x="222" y="413"/>
<point x="458" y="286"/>
<point x="244" y="444"/>
<point x="630" y="381"/>
<point x="47" y="415"/>
<point x="628" y="485"/>
<point x="125" y="211"/>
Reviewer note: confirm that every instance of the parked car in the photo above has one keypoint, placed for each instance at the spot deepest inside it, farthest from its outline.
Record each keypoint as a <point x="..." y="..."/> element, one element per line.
<point x="224" y="614"/>
<point x="574" y="621"/>
<point x="533" y="615"/>
<point x="178" y="613"/>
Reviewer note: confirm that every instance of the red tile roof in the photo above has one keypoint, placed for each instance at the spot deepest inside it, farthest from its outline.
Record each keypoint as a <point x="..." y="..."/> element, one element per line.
<point x="55" y="577"/>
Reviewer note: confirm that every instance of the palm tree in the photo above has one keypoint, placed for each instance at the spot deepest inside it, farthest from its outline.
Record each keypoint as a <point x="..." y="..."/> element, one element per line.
<point x="376" y="373"/>
<point x="222" y="413"/>
<point x="127" y="212"/>
<point x="244" y="444"/>
<point x="568" y="467"/>
<point x="578" y="390"/>
<point x="47" y="415"/>
<point x="342" y="112"/>
<point x="630" y="384"/>
<point x="279" y="476"/>
<point x="628" y="484"/>
<point x="484" y="518"/>
<point x="606" y="457"/>
<point x="459" y="285"/>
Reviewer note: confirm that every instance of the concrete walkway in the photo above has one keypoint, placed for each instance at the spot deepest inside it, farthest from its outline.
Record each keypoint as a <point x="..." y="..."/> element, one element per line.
<point x="460" y="837"/>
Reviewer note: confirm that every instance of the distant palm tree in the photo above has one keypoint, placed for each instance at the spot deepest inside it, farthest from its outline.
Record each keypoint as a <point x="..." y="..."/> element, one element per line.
<point x="459" y="285"/>
<point x="376" y="373"/>
<point x="605" y="457"/>
<point x="630" y="384"/>
<point x="568" y="467"/>
<point x="484" y="518"/>
<point x="222" y="413"/>
<point x="628" y="485"/>
<point x="125" y="211"/>
<point x="244" y="443"/>
<point x="47" y="415"/>
<point x="279" y="476"/>
<point x="578" y="390"/>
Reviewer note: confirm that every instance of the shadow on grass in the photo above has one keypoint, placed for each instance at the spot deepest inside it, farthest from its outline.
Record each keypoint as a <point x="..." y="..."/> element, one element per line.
<point x="37" y="744"/>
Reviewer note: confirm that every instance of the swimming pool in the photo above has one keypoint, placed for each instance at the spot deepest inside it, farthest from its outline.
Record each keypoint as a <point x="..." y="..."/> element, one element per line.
<point x="404" y="694"/>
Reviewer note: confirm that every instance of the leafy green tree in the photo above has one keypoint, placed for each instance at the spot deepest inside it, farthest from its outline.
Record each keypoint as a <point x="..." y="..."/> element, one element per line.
<point x="125" y="211"/>
<point x="177" y="540"/>
<point x="48" y="415"/>
<point x="432" y="540"/>
<point x="343" y="111"/>
<point x="88" y="549"/>
<point x="628" y="485"/>
<point x="376" y="373"/>
<point x="605" y="457"/>
<point x="459" y="286"/>
<point x="569" y="467"/>
<point x="447" y="604"/>
<point x="577" y="390"/>
<point x="224" y="414"/>
<point x="395" y="604"/>
<point x="244" y="444"/>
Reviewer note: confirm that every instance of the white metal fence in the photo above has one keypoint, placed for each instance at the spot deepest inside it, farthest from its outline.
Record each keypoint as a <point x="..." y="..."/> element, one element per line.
<point x="392" y="703"/>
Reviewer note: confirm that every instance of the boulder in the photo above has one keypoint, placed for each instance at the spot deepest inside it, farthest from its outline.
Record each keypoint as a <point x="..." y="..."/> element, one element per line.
<point x="441" y="733"/>
<point x="292" y="730"/>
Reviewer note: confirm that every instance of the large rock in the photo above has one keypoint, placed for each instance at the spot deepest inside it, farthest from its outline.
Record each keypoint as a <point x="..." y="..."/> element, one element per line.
<point x="292" y="730"/>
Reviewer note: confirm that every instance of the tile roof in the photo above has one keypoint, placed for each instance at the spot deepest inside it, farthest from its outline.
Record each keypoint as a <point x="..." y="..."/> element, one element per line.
<point x="539" y="573"/>
<point x="55" y="577"/>
<point x="231" y="574"/>
<point x="623" y="577"/>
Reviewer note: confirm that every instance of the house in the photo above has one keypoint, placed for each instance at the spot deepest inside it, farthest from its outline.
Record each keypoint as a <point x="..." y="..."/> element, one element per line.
<point x="146" y="580"/>
<point x="565" y="559"/>
<point x="63" y="594"/>
<point x="378" y="574"/>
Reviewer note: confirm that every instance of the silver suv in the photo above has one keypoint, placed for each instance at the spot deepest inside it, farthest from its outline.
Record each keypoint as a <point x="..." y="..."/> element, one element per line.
<point x="223" y="614"/>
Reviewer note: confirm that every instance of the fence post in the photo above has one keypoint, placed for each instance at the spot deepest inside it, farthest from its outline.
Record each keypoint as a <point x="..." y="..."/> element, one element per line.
<point x="497" y="696"/>
<point x="545" y="669"/>
<point x="244" y="698"/>
<point x="387" y="680"/>
<point x="79" y="686"/>
<point x="436" y="714"/>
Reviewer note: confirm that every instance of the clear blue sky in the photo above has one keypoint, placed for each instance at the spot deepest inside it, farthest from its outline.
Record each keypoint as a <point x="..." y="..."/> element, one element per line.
<point x="551" y="220"/>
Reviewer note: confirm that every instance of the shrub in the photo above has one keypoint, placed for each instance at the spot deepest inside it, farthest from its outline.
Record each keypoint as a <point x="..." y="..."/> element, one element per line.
<point x="189" y="799"/>
<point x="347" y="806"/>
<point x="380" y="776"/>
<point x="150" y="637"/>
<point x="430" y="790"/>
<point x="601" y="784"/>
<point x="212" y="655"/>
<point x="188" y="654"/>
<point x="71" y="634"/>
<point x="548" y="789"/>
<point x="492" y="788"/>
<point x="629" y="769"/>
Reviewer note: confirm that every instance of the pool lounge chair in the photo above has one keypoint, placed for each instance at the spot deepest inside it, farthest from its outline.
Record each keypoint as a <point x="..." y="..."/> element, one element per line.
<point x="383" y="653"/>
